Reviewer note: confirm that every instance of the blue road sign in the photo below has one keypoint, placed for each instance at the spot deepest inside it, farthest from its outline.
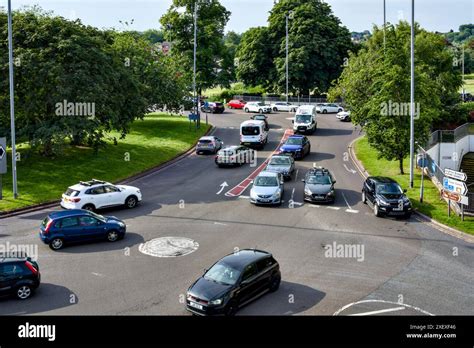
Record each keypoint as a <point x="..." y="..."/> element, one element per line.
<point x="193" y="117"/>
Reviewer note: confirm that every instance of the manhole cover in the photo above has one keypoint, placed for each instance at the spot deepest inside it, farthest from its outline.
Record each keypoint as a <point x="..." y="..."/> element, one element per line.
<point x="168" y="247"/>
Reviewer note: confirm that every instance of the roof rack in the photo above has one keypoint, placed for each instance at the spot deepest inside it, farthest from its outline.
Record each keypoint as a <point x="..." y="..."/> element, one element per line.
<point x="92" y="182"/>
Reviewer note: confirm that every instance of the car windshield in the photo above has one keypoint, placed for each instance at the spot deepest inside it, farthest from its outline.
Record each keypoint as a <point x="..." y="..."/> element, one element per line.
<point x="227" y="152"/>
<point x="280" y="161"/>
<point x="98" y="217"/>
<point x="303" y="118"/>
<point x="223" y="274"/>
<point x="388" y="189"/>
<point x="205" y="141"/>
<point x="250" y="130"/>
<point x="294" y="141"/>
<point x="261" y="104"/>
<point x="319" y="180"/>
<point x="266" y="181"/>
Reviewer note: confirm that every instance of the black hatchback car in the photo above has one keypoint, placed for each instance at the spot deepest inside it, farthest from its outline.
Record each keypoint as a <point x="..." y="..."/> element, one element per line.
<point x="319" y="186"/>
<point x="19" y="275"/>
<point x="232" y="282"/>
<point x="213" y="107"/>
<point x="386" y="197"/>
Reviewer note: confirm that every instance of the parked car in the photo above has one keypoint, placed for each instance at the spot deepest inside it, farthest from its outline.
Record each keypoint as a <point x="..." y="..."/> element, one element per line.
<point x="318" y="107"/>
<point x="283" y="164"/>
<point x="76" y="226"/>
<point x="236" y="104"/>
<point x="386" y="197"/>
<point x="98" y="194"/>
<point x="259" y="107"/>
<point x="234" y="156"/>
<point x="209" y="144"/>
<point x="344" y="116"/>
<point x="213" y="107"/>
<point x="297" y="146"/>
<point x="305" y="119"/>
<point x="253" y="133"/>
<point x="19" y="275"/>
<point x="267" y="188"/>
<point x="232" y="282"/>
<point x="283" y="106"/>
<point x="330" y="108"/>
<point x="319" y="186"/>
<point x="261" y="117"/>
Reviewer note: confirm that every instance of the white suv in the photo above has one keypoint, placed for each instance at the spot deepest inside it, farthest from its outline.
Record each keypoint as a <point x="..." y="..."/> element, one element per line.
<point x="259" y="107"/>
<point x="97" y="194"/>
<point x="330" y="108"/>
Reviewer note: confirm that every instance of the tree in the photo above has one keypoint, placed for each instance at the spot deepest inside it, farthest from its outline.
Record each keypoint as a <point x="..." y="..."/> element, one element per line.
<point x="254" y="57"/>
<point x="227" y="74"/>
<point x="376" y="87"/>
<point x="179" y="29"/>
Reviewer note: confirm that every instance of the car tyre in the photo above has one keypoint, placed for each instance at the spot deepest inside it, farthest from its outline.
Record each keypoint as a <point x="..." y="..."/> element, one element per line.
<point x="364" y="198"/>
<point x="246" y="110"/>
<point x="23" y="292"/>
<point x="131" y="202"/>
<point x="56" y="244"/>
<point x="275" y="283"/>
<point x="377" y="210"/>
<point x="325" y="111"/>
<point x="231" y="308"/>
<point x="339" y="110"/>
<point x="89" y="207"/>
<point x="275" y="109"/>
<point x="112" y="236"/>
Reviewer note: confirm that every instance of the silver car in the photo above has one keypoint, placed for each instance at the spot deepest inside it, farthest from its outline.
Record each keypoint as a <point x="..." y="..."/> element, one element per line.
<point x="283" y="164"/>
<point x="267" y="188"/>
<point x="209" y="144"/>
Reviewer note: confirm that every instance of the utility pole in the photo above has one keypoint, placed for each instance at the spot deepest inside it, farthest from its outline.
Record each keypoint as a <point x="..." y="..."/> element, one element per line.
<point x="12" y="99"/>
<point x="198" y="122"/>
<point x="286" y="58"/>
<point x="463" y="90"/>
<point x="412" y="92"/>
<point x="384" y="24"/>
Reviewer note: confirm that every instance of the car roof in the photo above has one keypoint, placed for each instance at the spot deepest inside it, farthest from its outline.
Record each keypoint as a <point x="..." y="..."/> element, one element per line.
<point x="13" y="256"/>
<point x="67" y="213"/>
<point x="382" y="179"/>
<point x="252" y="123"/>
<point x="88" y="184"/>
<point x="231" y="147"/>
<point x="268" y="174"/>
<point x="207" y="138"/>
<point x="242" y="258"/>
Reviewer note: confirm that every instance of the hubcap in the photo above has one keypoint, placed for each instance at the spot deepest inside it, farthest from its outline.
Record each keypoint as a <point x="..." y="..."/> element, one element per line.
<point x="24" y="292"/>
<point x="57" y="243"/>
<point x="113" y="236"/>
<point x="131" y="202"/>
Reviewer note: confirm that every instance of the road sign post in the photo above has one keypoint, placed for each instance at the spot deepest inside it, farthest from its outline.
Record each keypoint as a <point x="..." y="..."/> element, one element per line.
<point x="3" y="161"/>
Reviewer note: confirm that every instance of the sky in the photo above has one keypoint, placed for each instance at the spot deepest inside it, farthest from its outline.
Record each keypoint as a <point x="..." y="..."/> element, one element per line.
<point x="356" y="15"/>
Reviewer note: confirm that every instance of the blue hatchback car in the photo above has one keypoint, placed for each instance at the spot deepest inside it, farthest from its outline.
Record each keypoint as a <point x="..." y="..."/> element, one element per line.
<point x="76" y="226"/>
<point x="296" y="145"/>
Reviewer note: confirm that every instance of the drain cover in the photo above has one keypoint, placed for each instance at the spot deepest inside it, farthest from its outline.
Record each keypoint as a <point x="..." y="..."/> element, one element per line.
<point x="168" y="247"/>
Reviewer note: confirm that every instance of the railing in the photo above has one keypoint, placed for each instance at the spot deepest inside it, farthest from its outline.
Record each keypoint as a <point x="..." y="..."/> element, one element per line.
<point x="450" y="136"/>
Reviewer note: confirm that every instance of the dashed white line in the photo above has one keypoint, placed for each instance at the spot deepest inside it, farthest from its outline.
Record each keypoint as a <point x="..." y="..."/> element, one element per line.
<point x="378" y="312"/>
<point x="352" y="211"/>
<point x="333" y="208"/>
<point x="219" y="223"/>
<point x="244" y="197"/>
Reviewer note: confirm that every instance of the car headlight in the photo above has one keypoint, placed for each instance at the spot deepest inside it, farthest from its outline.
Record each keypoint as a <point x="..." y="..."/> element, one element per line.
<point x="277" y="194"/>
<point x="382" y="201"/>
<point x="216" y="302"/>
<point x="121" y="224"/>
<point x="331" y="193"/>
<point x="406" y="201"/>
<point x="253" y="194"/>
<point x="307" y="191"/>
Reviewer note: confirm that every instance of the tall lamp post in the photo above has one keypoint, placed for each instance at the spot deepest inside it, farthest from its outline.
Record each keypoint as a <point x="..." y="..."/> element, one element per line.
<point x="288" y="17"/>
<point x="384" y="23"/>
<point x="12" y="101"/>
<point x="194" y="65"/>
<point x="412" y="92"/>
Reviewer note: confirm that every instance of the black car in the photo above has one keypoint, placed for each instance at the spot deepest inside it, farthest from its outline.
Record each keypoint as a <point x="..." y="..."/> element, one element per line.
<point x="319" y="186"/>
<point x="261" y="117"/>
<point x="232" y="282"/>
<point x="19" y="275"/>
<point x="213" y="108"/>
<point x="386" y="197"/>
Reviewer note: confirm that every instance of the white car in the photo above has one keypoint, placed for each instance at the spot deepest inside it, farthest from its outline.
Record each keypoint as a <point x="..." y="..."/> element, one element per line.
<point x="330" y="108"/>
<point x="259" y="107"/>
<point x="344" y="116"/>
<point x="97" y="194"/>
<point x="283" y="106"/>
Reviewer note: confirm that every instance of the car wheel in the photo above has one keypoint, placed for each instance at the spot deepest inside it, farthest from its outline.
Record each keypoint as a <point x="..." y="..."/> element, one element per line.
<point x="89" y="207"/>
<point x="364" y="198"/>
<point x="131" y="202"/>
<point x="260" y="111"/>
<point x="231" y="308"/>
<point x="112" y="236"/>
<point x="23" y="292"/>
<point x="339" y="110"/>
<point x="325" y="111"/>
<point x="275" y="109"/>
<point x="377" y="210"/>
<point x="275" y="284"/>
<point x="56" y="244"/>
<point x="246" y="110"/>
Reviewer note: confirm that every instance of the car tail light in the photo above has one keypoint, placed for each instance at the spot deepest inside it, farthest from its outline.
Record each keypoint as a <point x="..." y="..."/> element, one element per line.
<point x="48" y="226"/>
<point x="31" y="267"/>
<point x="75" y="200"/>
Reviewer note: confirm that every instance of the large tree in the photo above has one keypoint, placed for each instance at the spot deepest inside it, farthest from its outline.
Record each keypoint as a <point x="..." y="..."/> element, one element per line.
<point x="178" y="26"/>
<point x="375" y="85"/>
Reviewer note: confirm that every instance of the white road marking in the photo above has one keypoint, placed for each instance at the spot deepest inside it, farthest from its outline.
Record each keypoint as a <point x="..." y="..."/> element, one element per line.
<point x="290" y="118"/>
<point x="314" y="206"/>
<point x="219" y="223"/>
<point x="97" y="274"/>
<point x="298" y="203"/>
<point x="244" y="197"/>
<point x="292" y="193"/>
<point x="296" y="175"/>
<point x="349" y="170"/>
<point x="344" y="196"/>
<point x="223" y="186"/>
<point x="381" y="301"/>
<point x="352" y="211"/>
<point x="333" y="208"/>
<point x="378" y="312"/>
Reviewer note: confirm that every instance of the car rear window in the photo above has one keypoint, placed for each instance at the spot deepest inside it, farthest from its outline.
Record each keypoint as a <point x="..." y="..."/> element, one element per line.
<point x="45" y="221"/>
<point x="206" y="141"/>
<point x="250" y="130"/>
<point x="71" y="193"/>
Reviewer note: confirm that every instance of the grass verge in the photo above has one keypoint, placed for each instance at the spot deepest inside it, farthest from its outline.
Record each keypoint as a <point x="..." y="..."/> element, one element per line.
<point x="432" y="206"/>
<point x="151" y="142"/>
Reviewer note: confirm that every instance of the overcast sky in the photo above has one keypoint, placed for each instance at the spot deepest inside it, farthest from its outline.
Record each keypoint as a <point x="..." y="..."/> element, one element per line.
<point x="357" y="15"/>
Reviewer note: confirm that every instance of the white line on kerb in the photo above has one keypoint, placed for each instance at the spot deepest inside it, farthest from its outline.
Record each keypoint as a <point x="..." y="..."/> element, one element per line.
<point x="378" y="312"/>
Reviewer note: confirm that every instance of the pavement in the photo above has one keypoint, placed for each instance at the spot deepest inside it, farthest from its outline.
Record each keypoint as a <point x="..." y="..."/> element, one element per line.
<point x="404" y="267"/>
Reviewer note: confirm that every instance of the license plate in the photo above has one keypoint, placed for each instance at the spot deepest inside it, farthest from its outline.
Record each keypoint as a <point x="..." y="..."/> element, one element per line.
<point x="264" y="200"/>
<point x="195" y="305"/>
<point x="397" y="209"/>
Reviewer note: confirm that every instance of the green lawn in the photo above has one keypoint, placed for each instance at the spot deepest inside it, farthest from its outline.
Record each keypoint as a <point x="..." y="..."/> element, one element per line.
<point x="433" y="206"/>
<point x="156" y="139"/>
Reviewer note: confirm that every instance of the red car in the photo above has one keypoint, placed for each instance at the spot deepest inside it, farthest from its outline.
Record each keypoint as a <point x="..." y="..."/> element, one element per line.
<point x="236" y="104"/>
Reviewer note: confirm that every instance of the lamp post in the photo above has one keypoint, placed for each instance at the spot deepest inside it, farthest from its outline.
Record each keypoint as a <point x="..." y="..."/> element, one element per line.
<point x="384" y="24"/>
<point x="12" y="100"/>
<point x="198" y="122"/>
<point x="412" y="92"/>
<point x="288" y="17"/>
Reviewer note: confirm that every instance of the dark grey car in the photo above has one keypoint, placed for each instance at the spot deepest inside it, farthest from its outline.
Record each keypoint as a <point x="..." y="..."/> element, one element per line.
<point x="319" y="186"/>
<point x="283" y="164"/>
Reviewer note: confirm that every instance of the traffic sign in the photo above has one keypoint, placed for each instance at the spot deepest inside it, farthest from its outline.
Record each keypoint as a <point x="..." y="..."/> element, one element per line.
<point x="3" y="155"/>
<point x="456" y="197"/>
<point x="455" y="175"/>
<point x="456" y="186"/>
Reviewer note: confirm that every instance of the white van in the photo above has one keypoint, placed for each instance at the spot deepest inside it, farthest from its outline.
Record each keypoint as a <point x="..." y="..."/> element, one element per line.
<point x="253" y="133"/>
<point x="305" y="119"/>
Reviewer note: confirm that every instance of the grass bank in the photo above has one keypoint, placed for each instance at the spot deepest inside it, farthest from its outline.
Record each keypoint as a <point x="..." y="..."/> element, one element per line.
<point x="432" y="206"/>
<point x="153" y="141"/>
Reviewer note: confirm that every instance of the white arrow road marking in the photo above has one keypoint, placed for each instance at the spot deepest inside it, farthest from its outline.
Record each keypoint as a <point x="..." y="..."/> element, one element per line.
<point x="223" y="186"/>
<point x="349" y="170"/>
<point x="378" y="312"/>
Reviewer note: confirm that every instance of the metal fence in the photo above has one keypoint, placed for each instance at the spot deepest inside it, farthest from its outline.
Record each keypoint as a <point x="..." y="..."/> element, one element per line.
<point x="450" y="136"/>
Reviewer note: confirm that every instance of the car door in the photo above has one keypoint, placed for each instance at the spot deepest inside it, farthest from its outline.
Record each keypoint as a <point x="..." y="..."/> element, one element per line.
<point x="305" y="145"/>
<point x="264" y="274"/>
<point x="69" y="229"/>
<point x="370" y="190"/>
<point x="248" y="283"/>
<point x="8" y="277"/>
<point x="113" y="196"/>
<point x="97" y="196"/>
<point x="90" y="228"/>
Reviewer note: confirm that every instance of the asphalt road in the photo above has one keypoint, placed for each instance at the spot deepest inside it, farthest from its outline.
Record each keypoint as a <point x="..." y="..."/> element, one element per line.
<point x="404" y="261"/>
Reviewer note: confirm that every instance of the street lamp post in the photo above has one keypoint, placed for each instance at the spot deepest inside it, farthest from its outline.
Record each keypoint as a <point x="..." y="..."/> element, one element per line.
<point x="463" y="90"/>
<point x="412" y="91"/>
<point x="288" y="17"/>
<point x="194" y="66"/>
<point x="12" y="101"/>
<point x="384" y="24"/>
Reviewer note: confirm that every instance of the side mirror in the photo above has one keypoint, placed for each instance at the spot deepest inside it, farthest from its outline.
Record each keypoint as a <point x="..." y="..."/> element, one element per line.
<point x="334" y="181"/>
<point x="405" y="191"/>
<point x="205" y="270"/>
<point x="292" y="121"/>
<point x="251" y="181"/>
<point x="303" y="180"/>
